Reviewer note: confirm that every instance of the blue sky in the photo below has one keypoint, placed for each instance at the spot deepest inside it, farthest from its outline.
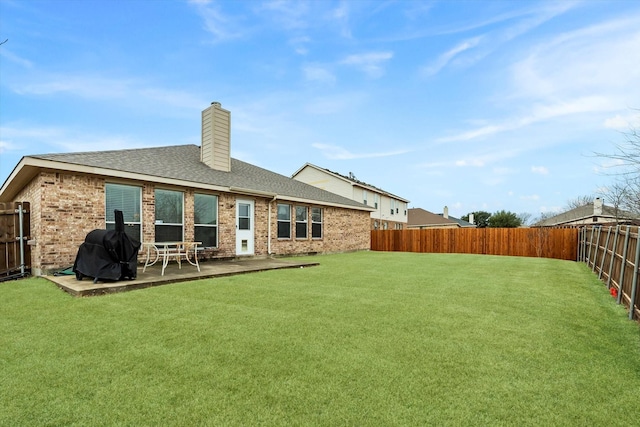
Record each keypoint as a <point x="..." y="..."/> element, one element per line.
<point x="477" y="105"/>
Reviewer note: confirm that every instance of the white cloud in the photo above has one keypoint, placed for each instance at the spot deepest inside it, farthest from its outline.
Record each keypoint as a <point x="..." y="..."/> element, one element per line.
<point x="333" y="104"/>
<point x="288" y="15"/>
<point x="340" y="17"/>
<point x="537" y="113"/>
<point x="623" y="123"/>
<point x="340" y="153"/>
<point x="9" y="55"/>
<point x="591" y="61"/>
<point x="369" y="63"/>
<point x="299" y="44"/>
<point x="222" y="27"/>
<point x="5" y="146"/>
<point x="477" y="162"/>
<point x="64" y="139"/>
<point x="132" y="91"/>
<point x="542" y="170"/>
<point x="446" y="57"/>
<point x="318" y="73"/>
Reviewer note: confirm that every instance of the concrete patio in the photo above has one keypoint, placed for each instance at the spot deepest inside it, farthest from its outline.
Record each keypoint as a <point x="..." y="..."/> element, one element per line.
<point x="152" y="276"/>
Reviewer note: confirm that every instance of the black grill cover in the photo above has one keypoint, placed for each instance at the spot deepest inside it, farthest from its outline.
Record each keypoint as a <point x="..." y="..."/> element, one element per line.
<point x="108" y="254"/>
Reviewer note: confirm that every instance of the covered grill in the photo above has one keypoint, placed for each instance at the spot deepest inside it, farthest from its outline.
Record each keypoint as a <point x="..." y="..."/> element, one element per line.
<point x="108" y="254"/>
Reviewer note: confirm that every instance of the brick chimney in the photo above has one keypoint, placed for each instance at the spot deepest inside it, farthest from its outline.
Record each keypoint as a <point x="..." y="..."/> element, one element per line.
<point x="215" y="150"/>
<point x="598" y="203"/>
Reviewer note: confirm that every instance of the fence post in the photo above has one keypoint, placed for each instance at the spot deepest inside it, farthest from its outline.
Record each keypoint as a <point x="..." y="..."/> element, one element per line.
<point x="614" y="253"/>
<point x="634" y="286"/>
<point x="579" y="258"/>
<point x="21" y="236"/>
<point x="623" y="265"/>
<point x="596" y="249"/>
<point x="590" y="246"/>
<point x="604" y="253"/>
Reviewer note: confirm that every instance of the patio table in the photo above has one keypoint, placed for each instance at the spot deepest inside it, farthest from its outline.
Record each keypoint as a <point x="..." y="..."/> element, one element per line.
<point x="168" y="250"/>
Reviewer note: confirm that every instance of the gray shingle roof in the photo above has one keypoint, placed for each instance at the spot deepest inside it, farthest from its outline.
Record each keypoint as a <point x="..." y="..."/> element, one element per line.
<point x="182" y="162"/>
<point x="585" y="212"/>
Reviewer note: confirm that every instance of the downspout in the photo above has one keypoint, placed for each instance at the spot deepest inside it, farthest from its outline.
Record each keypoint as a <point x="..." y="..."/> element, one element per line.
<point x="269" y="225"/>
<point x="21" y="224"/>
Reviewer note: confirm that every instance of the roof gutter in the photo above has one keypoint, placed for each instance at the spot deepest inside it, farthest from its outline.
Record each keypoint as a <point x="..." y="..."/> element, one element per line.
<point x="250" y="192"/>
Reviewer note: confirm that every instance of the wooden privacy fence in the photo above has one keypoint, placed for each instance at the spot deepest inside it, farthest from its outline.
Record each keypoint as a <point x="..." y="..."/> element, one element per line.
<point x="560" y="243"/>
<point x="14" y="233"/>
<point x="613" y="253"/>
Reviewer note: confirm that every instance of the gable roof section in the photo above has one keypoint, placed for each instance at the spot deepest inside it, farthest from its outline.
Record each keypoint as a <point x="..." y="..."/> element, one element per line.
<point x="175" y="165"/>
<point x="585" y="212"/>
<point x="418" y="217"/>
<point x="352" y="180"/>
<point x="460" y="222"/>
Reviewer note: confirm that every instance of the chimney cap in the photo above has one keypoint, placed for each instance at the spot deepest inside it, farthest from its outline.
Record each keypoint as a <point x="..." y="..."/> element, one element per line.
<point x="216" y="104"/>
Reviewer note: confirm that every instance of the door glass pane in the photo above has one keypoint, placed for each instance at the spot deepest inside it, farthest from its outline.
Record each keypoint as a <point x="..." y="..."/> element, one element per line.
<point x="244" y="217"/>
<point x="244" y="224"/>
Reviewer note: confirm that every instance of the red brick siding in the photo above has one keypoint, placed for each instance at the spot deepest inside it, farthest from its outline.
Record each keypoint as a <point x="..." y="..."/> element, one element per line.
<point x="342" y="230"/>
<point x="65" y="207"/>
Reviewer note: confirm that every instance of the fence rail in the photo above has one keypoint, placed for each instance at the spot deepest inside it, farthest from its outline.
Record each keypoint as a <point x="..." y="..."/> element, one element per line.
<point x="560" y="243"/>
<point x="614" y="254"/>
<point x="14" y="232"/>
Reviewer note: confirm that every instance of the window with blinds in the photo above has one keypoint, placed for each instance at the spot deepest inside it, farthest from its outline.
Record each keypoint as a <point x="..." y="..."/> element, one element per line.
<point x="128" y="199"/>
<point x="284" y="221"/>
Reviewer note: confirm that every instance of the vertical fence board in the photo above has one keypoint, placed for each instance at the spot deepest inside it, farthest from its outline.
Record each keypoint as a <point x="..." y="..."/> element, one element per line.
<point x="561" y="243"/>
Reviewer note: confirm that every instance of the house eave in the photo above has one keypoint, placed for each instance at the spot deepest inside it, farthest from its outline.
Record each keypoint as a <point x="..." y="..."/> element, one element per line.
<point x="29" y="167"/>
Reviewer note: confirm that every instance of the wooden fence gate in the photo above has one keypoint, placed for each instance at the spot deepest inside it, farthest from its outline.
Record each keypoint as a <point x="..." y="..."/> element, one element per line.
<point x="614" y="254"/>
<point x="15" y="229"/>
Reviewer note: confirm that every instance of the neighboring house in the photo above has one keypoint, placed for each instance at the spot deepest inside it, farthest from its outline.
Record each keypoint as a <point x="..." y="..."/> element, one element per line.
<point x="178" y="193"/>
<point x="589" y="214"/>
<point x="389" y="211"/>
<point x="421" y="219"/>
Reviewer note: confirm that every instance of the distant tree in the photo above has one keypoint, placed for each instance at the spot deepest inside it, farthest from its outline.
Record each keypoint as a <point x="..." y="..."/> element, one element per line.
<point x="626" y="162"/>
<point x="579" y="202"/>
<point x="544" y="216"/>
<point x="480" y="218"/>
<point x="525" y="218"/>
<point x="504" y="219"/>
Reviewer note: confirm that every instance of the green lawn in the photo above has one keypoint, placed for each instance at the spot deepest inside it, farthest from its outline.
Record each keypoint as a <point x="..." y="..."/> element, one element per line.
<point x="363" y="339"/>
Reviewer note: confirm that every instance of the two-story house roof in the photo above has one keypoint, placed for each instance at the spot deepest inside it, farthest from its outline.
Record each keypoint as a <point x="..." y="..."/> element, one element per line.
<point x="390" y="211"/>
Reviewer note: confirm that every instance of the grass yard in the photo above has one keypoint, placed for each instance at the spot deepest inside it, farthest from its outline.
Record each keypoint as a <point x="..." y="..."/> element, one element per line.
<point x="365" y="338"/>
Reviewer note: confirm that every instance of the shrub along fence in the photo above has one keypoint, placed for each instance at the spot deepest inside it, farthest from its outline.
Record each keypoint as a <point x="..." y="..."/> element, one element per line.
<point x="560" y="243"/>
<point x="613" y="253"/>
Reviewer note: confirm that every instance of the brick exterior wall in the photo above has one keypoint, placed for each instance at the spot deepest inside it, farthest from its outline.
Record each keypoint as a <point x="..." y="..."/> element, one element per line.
<point x="65" y="207"/>
<point x="343" y="230"/>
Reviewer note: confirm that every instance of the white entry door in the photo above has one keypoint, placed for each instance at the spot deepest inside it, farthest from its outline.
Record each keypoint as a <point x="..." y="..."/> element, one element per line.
<point x="244" y="227"/>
